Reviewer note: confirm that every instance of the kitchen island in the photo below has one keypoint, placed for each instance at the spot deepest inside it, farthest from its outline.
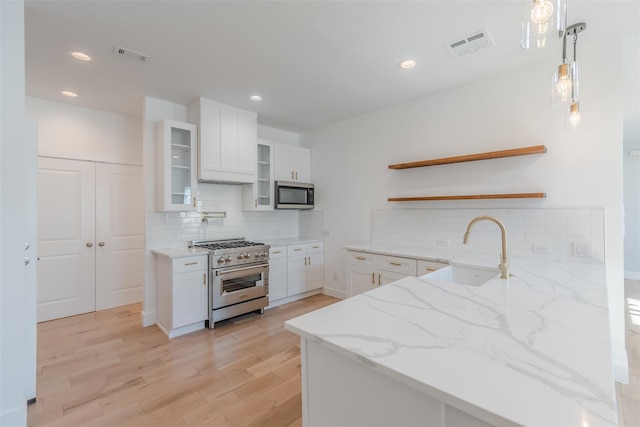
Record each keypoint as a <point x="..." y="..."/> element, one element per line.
<point x="533" y="349"/>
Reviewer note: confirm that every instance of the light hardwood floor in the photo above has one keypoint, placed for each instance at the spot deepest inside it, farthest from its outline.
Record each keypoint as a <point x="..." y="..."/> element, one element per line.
<point x="104" y="369"/>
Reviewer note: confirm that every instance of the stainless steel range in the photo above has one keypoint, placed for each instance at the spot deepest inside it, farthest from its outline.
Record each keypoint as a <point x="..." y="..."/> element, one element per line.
<point x="238" y="277"/>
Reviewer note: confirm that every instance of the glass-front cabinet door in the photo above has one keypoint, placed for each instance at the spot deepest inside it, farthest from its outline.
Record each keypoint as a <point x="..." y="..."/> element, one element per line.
<point x="176" y="166"/>
<point x="259" y="195"/>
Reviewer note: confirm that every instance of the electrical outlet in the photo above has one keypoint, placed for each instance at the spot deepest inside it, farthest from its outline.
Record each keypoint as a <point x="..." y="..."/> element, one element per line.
<point x="540" y="248"/>
<point x="583" y="249"/>
<point x="443" y="243"/>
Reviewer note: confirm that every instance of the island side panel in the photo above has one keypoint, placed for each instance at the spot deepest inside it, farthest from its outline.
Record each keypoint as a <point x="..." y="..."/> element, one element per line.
<point x="338" y="391"/>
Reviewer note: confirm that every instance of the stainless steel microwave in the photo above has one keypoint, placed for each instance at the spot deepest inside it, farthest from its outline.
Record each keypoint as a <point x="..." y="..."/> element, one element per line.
<point x="293" y="195"/>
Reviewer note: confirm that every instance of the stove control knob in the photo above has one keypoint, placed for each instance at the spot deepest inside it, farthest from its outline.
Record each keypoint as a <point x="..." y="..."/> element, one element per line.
<point x="239" y="256"/>
<point x="228" y="259"/>
<point x="247" y="255"/>
<point x="220" y="260"/>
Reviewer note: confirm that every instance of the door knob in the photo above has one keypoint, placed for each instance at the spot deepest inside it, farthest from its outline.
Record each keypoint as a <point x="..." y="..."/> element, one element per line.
<point x="26" y="260"/>
<point x="89" y="244"/>
<point x="101" y="244"/>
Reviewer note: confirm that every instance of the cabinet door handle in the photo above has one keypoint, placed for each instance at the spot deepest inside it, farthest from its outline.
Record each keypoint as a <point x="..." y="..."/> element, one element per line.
<point x="360" y="258"/>
<point x="378" y="279"/>
<point x="255" y="203"/>
<point x="292" y="175"/>
<point x="309" y="260"/>
<point x="89" y="244"/>
<point x="396" y="264"/>
<point x="373" y="278"/>
<point x="204" y="279"/>
<point x="191" y="263"/>
<point x="101" y="244"/>
<point x="194" y="201"/>
<point x="296" y="175"/>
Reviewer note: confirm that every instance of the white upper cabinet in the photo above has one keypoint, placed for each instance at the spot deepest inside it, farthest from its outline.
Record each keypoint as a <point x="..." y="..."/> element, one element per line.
<point x="259" y="195"/>
<point x="176" y="166"/>
<point x="292" y="163"/>
<point x="226" y="142"/>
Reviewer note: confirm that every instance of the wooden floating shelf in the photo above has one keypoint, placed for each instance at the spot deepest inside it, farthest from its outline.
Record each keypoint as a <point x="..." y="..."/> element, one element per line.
<point x="514" y="152"/>
<point x="471" y="197"/>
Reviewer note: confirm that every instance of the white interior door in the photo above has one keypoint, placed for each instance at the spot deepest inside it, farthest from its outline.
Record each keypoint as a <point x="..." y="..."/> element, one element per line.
<point x="119" y="235"/>
<point x="66" y="238"/>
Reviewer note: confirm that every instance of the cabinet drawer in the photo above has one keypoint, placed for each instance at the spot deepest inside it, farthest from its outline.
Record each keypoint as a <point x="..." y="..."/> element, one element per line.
<point x="183" y="265"/>
<point x="276" y="252"/>
<point x="426" y="267"/>
<point x="360" y="258"/>
<point x="398" y="265"/>
<point x="315" y="247"/>
<point x="293" y="250"/>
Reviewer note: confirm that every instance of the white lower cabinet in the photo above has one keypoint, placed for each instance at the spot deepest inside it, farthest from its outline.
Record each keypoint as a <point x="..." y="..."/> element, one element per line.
<point x="277" y="273"/>
<point x="305" y="267"/>
<point x="426" y="267"/>
<point x="367" y="271"/>
<point x="295" y="269"/>
<point x="181" y="292"/>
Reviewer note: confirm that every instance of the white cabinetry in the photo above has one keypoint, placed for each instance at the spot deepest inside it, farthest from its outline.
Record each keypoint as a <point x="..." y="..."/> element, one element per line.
<point x="259" y="195"/>
<point x="226" y="142"/>
<point x="305" y="267"/>
<point x="176" y="166"/>
<point x="426" y="267"/>
<point x="277" y="273"/>
<point x="181" y="294"/>
<point x="367" y="271"/>
<point x="292" y="163"/>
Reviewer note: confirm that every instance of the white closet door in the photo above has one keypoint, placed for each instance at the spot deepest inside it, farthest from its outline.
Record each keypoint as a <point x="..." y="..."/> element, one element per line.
<point x="66" y="231"/>
<point x="119" y="235"/>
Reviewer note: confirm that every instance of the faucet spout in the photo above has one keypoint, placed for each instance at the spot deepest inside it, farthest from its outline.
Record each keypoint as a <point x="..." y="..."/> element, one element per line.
<point x="504" y="260"/>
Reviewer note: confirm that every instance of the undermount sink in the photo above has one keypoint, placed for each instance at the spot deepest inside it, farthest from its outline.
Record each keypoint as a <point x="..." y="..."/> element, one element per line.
<point x="463" y="274"/>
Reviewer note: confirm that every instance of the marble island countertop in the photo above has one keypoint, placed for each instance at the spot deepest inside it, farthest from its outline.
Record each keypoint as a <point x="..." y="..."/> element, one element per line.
<point x="531" y="350"/>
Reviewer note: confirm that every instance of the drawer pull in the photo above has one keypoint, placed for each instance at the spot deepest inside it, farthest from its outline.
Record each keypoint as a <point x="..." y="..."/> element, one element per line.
<point x="315" y="247"/>
<point x="276" y="252"/>
<point x="296" y="250"/>
<point x="192" y="263"/>
<point x="397" y="264"/>
<point x="430" y="269"/>
<point x="360" y="258"/>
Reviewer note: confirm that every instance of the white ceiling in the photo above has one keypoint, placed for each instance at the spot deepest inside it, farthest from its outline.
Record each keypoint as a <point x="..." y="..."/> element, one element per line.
<point x="313" y="62"/>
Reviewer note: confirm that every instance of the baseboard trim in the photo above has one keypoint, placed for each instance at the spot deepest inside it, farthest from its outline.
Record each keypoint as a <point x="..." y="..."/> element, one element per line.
<point x="632" y="275"/>
<point x="147" y="318"/>
<point x="334" y="293"/>
<point x="292" y="298"/>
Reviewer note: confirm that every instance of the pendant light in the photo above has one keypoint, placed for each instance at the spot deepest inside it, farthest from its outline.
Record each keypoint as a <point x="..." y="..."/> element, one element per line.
<point x="542" y="20"/>
<point x="574" y="120"/>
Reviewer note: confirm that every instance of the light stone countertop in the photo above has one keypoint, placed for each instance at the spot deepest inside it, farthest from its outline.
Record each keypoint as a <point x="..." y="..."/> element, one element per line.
<point x="182" y="252"/>
<point x="289" y="241"/>
<point x="531" y="350"/>
<point x="427" y="254"/>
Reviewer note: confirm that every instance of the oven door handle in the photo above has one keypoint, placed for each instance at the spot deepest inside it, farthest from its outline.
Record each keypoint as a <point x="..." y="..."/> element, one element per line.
<point x="252" y="267"/>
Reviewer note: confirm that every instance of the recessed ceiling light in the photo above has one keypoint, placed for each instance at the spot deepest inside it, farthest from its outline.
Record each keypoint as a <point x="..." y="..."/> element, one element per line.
<point x="69" y="93"/>
<point x="255" y="98"/>
<point x="79" y="55"/>
<point x="407" y="63"/>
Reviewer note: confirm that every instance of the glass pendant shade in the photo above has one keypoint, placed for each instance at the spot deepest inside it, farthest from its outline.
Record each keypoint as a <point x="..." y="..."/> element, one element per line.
<point x="564" y="85"/>
<point x="574" y="120"/>
<point x="542" y="20"/>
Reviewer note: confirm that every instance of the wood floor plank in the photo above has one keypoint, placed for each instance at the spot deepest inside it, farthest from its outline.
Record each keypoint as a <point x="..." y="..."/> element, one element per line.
<point x="105" y="369"/>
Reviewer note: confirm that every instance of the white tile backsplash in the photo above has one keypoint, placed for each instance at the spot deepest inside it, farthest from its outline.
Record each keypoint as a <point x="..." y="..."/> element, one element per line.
<point x="556" y="228"/>
<point x="175" y="229"/>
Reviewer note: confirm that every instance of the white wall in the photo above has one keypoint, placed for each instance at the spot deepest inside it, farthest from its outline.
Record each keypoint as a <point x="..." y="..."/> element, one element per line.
<point x="631" y="165"/>
<point x="79" y="133"/>
<point x="15" y="347"/>
<point x="581" y="169"/>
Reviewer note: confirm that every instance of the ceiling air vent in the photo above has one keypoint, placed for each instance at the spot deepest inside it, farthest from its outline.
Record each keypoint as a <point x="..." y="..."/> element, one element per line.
<point x="131" y="54"/>
<point x="470" y="44"/>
